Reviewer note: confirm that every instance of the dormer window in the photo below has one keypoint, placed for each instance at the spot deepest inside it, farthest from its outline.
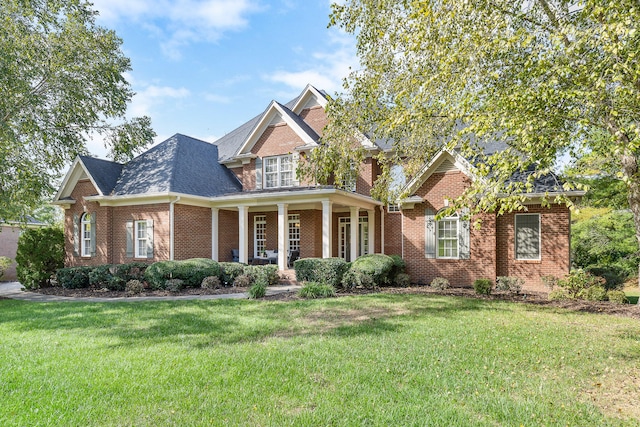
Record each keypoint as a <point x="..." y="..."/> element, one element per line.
<point x="279" y="171"/>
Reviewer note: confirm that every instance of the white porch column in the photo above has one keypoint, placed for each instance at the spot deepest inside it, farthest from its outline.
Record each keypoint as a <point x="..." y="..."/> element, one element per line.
<point x="355" y="222"/>
<point x="381" y="229"/>
<point x="326" y="228"/>
<point x="214" y="234"/>
<point x="283" y="235"/>
<point x="371" y="219"/>
<point x="243" y="234"/>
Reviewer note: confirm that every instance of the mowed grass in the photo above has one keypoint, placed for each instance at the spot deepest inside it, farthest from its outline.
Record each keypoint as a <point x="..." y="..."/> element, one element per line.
<point x="384" y="360"/>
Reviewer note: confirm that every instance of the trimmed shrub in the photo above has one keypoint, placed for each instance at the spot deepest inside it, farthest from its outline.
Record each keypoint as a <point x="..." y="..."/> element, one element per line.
<point x="482" y="286"/>
<point x="242" y="281"/>
<point x="190" y="271"/>
<point x="130" y="271"/>
<point x="73" y="277"/>
<point x="402" y="279"/>
<point x="134" y="287"/>
<point x="117" y="283"/>
<point x="265" y="274"/>
<point x="100" y="275"/>
<point x="5" y="262"/>
<point x="509" y="284"/>
<point x="559" y="294"/>
<point x="229" y="271"/>
<point x="40" y="253"/>
<point x="399" y="266"/>
<point x="257" y="290"/>
<point x="613" y="275"/>
<point x="439" y="283"/>
<point x="594" y="293"/>
<point x="577" y="281"/>
<point x="210" y="282"/>
<point x="369" y="271"/>
<point x="316" y="290"/>
<point x="617" y="297"/>
<point x="322" y="270"/>
<point x="174" y="285"/>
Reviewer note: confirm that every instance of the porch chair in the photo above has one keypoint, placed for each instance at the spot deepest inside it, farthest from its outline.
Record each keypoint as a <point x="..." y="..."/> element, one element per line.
<point x="235" y="255"/>
<point x="293" y="255"/>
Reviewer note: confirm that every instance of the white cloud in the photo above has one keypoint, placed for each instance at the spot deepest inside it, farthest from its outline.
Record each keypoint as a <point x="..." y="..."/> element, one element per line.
<point x="183" y="21"/>
<point x="143" y="101"/>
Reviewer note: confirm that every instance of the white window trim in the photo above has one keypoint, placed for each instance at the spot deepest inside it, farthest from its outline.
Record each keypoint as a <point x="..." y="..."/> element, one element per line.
<point x="291" y="220"/>
<point x="278" y="172"/>
<point x="393" y="208"/>
<point x="137" y="239"/>
<point x="259" y="220"/>
<point x="455" y="218"/>
<point x="515" y="237"/>
<point x="85" y="250"/>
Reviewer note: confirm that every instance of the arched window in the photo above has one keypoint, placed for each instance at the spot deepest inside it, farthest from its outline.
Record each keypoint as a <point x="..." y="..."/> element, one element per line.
<point x="448" y="235"/>
<point x="86" y="234"/>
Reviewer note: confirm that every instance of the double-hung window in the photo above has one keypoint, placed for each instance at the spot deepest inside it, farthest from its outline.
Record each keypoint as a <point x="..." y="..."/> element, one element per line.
<point x="279" y="171"/>
<point x="527" y="230"/>
<point x="448" y="237"/>
<point x="86" y="234"/>
<point x="294" y="232"/>
<point x="141" y="238"/>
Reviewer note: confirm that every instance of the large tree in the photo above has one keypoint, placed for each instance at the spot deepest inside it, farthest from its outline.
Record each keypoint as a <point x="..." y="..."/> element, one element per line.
<point x="61" y="81"/>
<point x="549" y="78"/>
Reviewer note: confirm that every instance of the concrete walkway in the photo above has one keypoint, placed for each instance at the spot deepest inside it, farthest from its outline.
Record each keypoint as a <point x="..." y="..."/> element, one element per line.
<point x="14" y="290"/>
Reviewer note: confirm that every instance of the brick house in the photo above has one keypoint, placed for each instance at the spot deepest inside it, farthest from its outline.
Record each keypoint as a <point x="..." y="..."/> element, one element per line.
<point x="239" y="197"/>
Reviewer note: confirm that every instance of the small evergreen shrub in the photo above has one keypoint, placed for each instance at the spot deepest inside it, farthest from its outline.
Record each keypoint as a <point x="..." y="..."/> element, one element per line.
<point x="117" y="283"/>
<point x="613" y="275"/>
<point x="549" y="281"/>
<point x="577" y="281"/>
<point x="509" y="284"/>
<point x="594" y="293"/>
<point x="617" y="297"/>
<point x="134" y="287"/>
<point x="174" y="285"/>
<point x="40" y="253"/>
<point x="439" y="283"/>
<point x="229" y="271"/>
<point x="482" y="286"/>
<point x="402" y="280"/>
<point x="100" y="275"/>
<point x="257" y="290"/>
<point x="317" y="290"/>
<point x="357" y="279"/>
<point x="369" y="271"/>
<point x="558" y="294"/>
<point x="210" y="282"/>
<point x="5" y="262"/>
<point x="73" y="277"/>
<point x="322" y="270"/>
<point x="242" y="281"/>
<point x="190" y="271"/>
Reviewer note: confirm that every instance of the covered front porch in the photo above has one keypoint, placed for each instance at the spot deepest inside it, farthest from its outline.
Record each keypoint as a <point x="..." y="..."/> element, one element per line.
<point x="317" y="222"/>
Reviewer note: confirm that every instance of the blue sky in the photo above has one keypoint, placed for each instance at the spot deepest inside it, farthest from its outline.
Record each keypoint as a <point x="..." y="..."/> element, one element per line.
<point x="204" y="67"/>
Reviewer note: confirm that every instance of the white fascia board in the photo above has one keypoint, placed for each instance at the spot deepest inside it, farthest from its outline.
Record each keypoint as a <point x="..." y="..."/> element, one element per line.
<point x="262" y="125"/>
<point x="71" y="179"/>
<point x="308" y="92"/>
<point x="458" y="161"/>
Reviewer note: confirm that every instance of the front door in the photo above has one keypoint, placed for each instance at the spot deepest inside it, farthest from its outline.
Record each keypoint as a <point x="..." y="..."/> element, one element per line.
<point x="344" y="237"/>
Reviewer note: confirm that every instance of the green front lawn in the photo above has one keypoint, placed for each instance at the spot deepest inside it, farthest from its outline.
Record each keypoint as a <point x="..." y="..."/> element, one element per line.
<point x="370" y="360"/>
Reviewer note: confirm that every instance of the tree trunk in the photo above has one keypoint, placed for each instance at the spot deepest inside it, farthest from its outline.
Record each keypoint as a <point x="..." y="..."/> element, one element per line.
<point x="630" y="171"/>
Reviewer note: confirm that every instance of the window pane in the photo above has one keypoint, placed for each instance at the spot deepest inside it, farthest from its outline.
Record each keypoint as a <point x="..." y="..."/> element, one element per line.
<point x="528" y="236"/>
<point x="448" y="238"/>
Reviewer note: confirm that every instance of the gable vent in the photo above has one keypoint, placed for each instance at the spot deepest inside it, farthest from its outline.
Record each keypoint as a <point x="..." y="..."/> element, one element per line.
<point x="446" y="166"/>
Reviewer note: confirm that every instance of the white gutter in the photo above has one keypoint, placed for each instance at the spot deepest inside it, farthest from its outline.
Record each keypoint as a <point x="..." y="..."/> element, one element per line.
<point x="171" y="227"/>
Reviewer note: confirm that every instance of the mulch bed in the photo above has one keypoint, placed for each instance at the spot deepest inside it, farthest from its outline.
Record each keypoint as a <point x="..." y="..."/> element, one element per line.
<point x="625" y="310"/>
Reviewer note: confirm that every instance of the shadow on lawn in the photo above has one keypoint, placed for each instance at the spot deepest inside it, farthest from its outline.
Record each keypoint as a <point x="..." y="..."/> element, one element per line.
<point x="207" y="323"/>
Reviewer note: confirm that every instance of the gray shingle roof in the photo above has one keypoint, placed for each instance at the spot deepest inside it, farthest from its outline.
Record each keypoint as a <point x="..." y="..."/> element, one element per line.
<point x="180" y="164"/>
<point x="104" y="172"/>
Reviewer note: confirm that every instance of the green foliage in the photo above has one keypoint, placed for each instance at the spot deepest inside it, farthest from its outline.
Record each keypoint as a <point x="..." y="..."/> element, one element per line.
<point x="613" y="275"/>
<point x="321" y="270"/>
<point x="5" y="262"/>
<point x="265" y="274"/>
<point x="100" y="275"/>
<point x="257" y="290"/>
<point x="369" y="271"/>
<point x="578" y="281"/>
<point x="242" y="281"/>
<point x="509" y="284"/>
<point x="482" y="286"/>
<point x="229" y="271"/>
<point x="608" y="244"/>
<point x="134" y="287"/>
<point x="62" y="81"/>
<point x="559" y="294"/>
<point x="439" y="283"/>
<point x="402" y="279"/>
<point x="73" y="277"/>
<point x="594" y="293"/>
<point x="174" y="285"/>
<point x="617" y="297"/>
<point x="190" y="271"/>
<point x="316" y="290"/>
<point x="115" y="277"/>
<point x="550" y="281"/>
<point x="40" y="253"/>
<point x="210" y="282"/>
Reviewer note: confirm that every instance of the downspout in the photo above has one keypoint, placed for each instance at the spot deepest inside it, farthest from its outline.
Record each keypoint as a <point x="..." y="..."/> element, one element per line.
<point x="402" y="232"/>
<point x="171" y="227"/>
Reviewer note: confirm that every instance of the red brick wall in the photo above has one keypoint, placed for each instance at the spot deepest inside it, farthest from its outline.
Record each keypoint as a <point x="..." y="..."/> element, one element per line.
<point x="277" y="139"/>
<point x="228" y="230"/>
<point x="192" y="228"/>
<point x="315" y="117"/>
<point x="158" y="212"/>
<point x="392" y="233"/>
<point x="555" y="247"/>
<point x="310" y="233"/>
